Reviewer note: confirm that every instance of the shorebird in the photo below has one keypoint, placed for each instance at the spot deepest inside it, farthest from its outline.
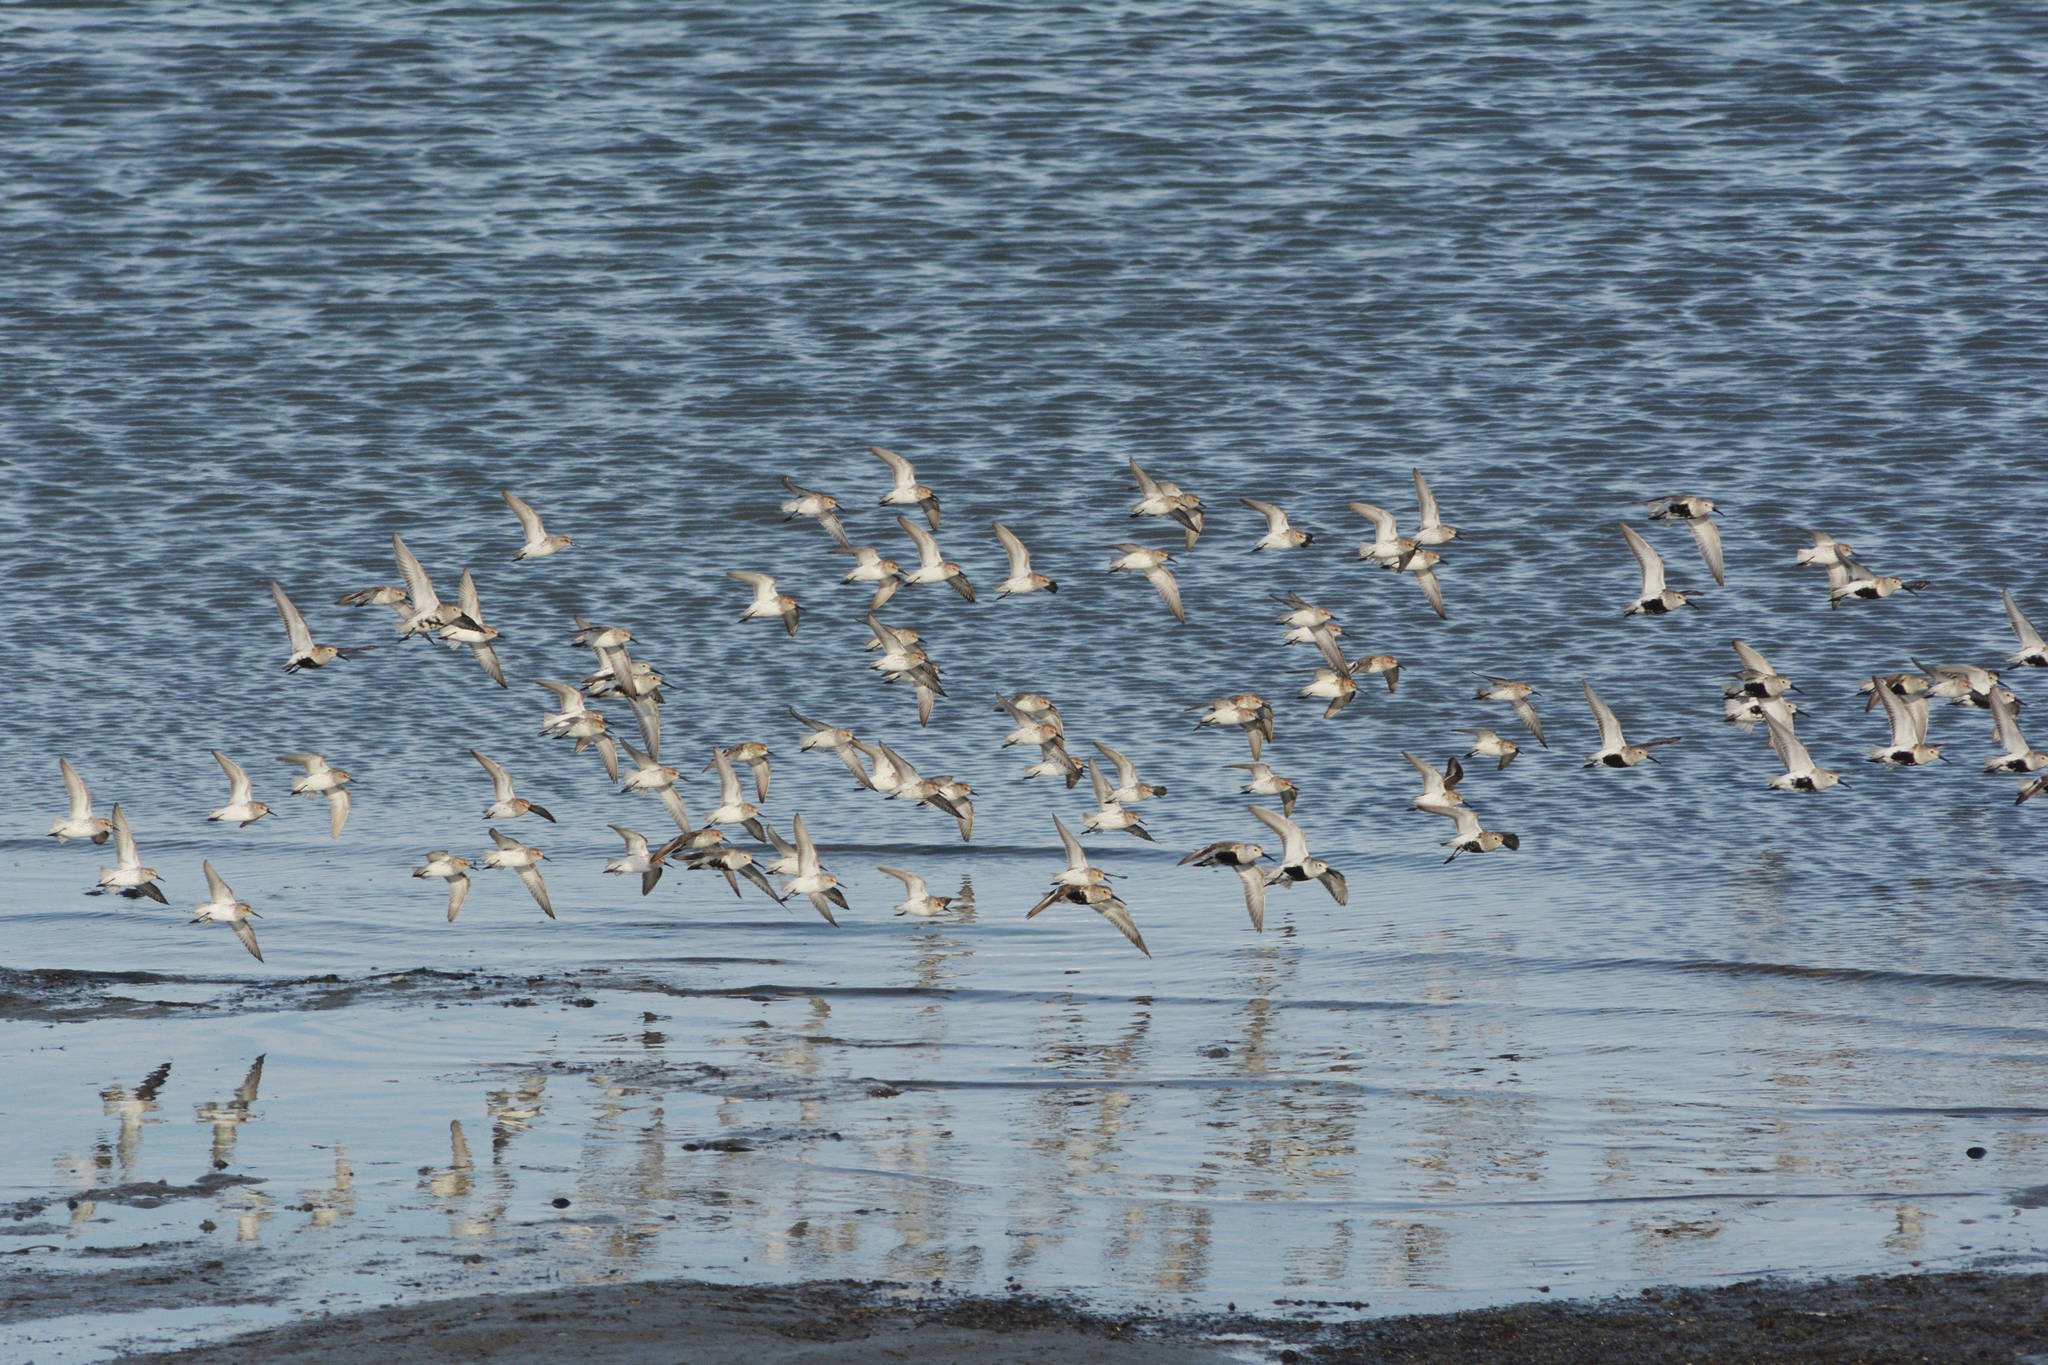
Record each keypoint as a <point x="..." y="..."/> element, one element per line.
<point x="870" y="567"/>
<point x="1825" y="553"/>
<point x="2033" y="651"/>
<point x="129" y="877"/>
<point x="1333" y="686"/>
<point x="380" y="596"/>
<point x="2019" y="756"/>
<point x="1021" y="578"/>
<point x="906" y="490"/>
<point x="1152" y="564"/>
<point x="1078" y="872"/>
<point x="1907" y="685"/>
<point x="1302" y="614"/>
<point x="821" y="507"/>
<point x="1243" y="859"/>
<point x="1248" y="711"/>
<point x="1055" y="761"/>
<point x="1379" y="665"/>
<point x="1164" y="498"/>
<point x="1431" y="529"/>
<point x="1388" y="546"/>
<point x="1908" y="716"/>
<point x="1515" y="694"/>
<point x="1103" y="902"/>
<point x="835" y="738"/>
<point x="933" y="567"/>
<point x="755" y="755"/>
<point x="732" y="808"/>
<point x="651" y="775"/>
<point x="1032" y="727"/>
<point x="428" y="613"/>
<point x="242" y="808"/>
<point x="451" y="869"/>
<point x="1279" y="535"/>
<point x="590" y="635"/>
<point x="895" y="777"/>
<point x="1472" y="839"/>
<point x="1422" y="563"/>
<point x="1849" y="581"/>
<point x="1439" y="789"/>
<point x="506" y="806"/>
<point x="918" y="901"/>
<point x="637" y="860"/>
<point x="1487" y="744"/>
<point x="1655" y="599"/>
<point x="767" y="601"/>
<point x="1757" y="678"/>
<point x="578" y="722"/>
<point x="80" y="822"/>
<point x="225" y="909"/>
<point x="525" y="861"/>
<point x="1614" y="751"/>
<point x="1109" y="814"/>
<point x="539" y="544"/>
<point x="641" y="687"/>
<point x="1295" y="863"/>
<point x="1129" y="791"/>
<point x="322" y="780"/>
<point x="811" y="881"/>
<point x="962" y="799"/>
<point x="468" y="628"/>
<point x="1265" y="782"/>
<point x="1744" y="711"/>
<point x="1800" y="774"/>
<point x="1964" y="684"/>
<point x="2034" y="788"/>
<point x="1698" y="515"/>
<point x="727" y="861"/>
<point x="306" y="654"/>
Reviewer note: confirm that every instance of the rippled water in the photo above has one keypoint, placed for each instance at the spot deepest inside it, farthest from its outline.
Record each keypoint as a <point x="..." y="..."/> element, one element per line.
<point x="277" y="283"/>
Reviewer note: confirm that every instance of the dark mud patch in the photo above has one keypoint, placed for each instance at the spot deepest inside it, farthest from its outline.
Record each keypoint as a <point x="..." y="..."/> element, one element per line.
<point x="29" y="1292"/>
<point x="136" y="1194"/>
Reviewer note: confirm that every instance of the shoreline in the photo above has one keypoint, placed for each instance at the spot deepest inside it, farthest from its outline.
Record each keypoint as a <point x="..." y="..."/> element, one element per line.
<point x="1951" y="1316"/>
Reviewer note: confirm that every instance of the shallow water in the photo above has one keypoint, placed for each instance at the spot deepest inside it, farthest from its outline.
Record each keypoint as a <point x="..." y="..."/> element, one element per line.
<point x="278" y="284"/>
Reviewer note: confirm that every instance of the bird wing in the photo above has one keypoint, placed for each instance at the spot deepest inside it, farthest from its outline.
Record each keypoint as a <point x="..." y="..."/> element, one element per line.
<point x="1119" y="914"/>
<point x="1161" y="578"/>
<point x="1146" y="485"/>
<point x="2005" y="722"/>
<point x="1434" y="591"/>
<point x="248" y="937"/>
<point x="648" y="713"/>
<point x="571" y="699"/>
<point x="1466" y="821"/>
<point x="913" y="885"/>
<point x="418" y="586"/>
<point x="294" y="624"/>
<point x="314" y="764"/>
<point x="1425" y="502"/>
<point x="1333" y="653"/>
<point x="458" y="891"/>
<point x="1707" y="536"/>
<point x="529" y="520"/>
<point x="487" y="655"/>
<point x="1020" y="558"/>
<point x="1753" y="661"/>
<point x="728" y="780"/>
<point x="899" y="468"/>
<point x="806" y="851"/>
<point x="501" y="781"/>
<point x="74" y="787"/>
<point x="465" y="595"/>
<point x="1899" y="714"/>
<point x="1433" y="785"/>
<point x="1652" y="565"/>
<point x="1787" y="745"/>
<point x="928" y="555"/>
<point x="1526" y="709"/>
<point x="762" y="584"/>
<point x="240" y="788"/>
<point x="1254" y="880"/>
<point x="2030" y="639"/>
<point x="636" y="843"/>
<point x="124" y="840"/>
<point x="220" y="891"/>
<point x="539" y="888"/>
<point x="1076" y="858"/>
<point x="1100" y="783"/>
<point x="1126" y="771"/>
<point x="673" y="799"/>
<point x="338" y="802"/>
<point x="905" y="774"/>
<point x="1603" y="714"/>
<point x="1382" y="520"/>
<point x="1293" y="843"/>
<point x="1276" y="520"/>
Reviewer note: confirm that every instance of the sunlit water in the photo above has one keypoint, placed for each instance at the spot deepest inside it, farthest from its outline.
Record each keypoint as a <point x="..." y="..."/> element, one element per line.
<point x="275" y="285"/>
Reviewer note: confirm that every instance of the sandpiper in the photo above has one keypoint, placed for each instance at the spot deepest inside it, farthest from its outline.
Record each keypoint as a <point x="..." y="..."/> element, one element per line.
<point x="223" y="908"/>
<point x="322" y="780"/>
<point x="243" y="809"/>
<point x="79" y="822"/>
<point x="539" y="544"/>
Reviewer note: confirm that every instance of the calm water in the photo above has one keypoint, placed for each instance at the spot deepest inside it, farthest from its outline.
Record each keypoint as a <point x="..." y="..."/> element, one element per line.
<point x="275" y="284"/>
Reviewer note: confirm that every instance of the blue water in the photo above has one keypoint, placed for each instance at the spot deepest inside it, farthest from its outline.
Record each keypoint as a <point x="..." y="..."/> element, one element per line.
<point x="276" y="283"/>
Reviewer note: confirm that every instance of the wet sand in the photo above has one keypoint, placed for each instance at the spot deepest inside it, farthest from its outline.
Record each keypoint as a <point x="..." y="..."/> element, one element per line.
<point x="1955" y="1317"/>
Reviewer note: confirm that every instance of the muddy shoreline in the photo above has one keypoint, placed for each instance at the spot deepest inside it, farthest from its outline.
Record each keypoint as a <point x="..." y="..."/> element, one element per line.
<point x="1953" y="1317"/>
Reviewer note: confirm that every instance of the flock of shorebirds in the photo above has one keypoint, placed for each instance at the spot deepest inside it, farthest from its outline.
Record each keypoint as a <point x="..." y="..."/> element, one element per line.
<point x="786" y="867"/>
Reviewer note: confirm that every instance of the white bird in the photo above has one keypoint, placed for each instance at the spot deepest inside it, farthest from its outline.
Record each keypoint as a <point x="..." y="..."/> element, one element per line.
<point x="1109" y="815"/>
<point x="728" y="861"/>
<point x="822" y="507"/>
<point x="80" y="822"/>
<point x="1908" y="716"/>
<point x="1152" y="564"/>
<point x="1021" y="578"/>
<point x="1487" y="744"/>
<point x="2019" y="756"/>
<point x="1430" y="529"/>
<point x="242" y="808"/>
<point x="811" y="880"/>
<point x="1655" y="598"/>
<point x="1247" y="711"/>
<point x="1333" y="686"/>
<point x="1800" y="774"/>
<point x="505" y="805"/>
<point x="641" y="687"/>
<point x="1422" y="563"/>
<point x="895" y="777"/>
<point x="1964" y="684"/>
<point x="539" y="544"/>
<point x="1614" y="751"/>
<point x="322" y="780"/>
<point x="1439" y="789"/>
<point x="380" y="596"/>
<point x="637" y="860"/>
<point x="525" y="861"/>
<point x="1055" y="761"/>
<point x="651" y="775"/>
<point x="451" y="869"/>
<point x="1849" y="581"/>
<point x="767" y="601"/>
<point x="1515" y="694"/>
<point x="306" y="654"/>
<point x="932" y="566"/>
<point x="1243" y="859"/>
<point x="129" y="877"/>
<point x="732" y="808"/>
<point x="1381" y="666"/>
<point x="1279" y="535"/>
<point x="1103" y="902"/>
<point x="839" y="740"/>
<point x="2033" y="651"/>
<point x="1826" y="552"/>
<point x="1388" y="546"/>
<point x="870" y="567"/>
<point x="468" y="628"/>
<point x="590" y="635"/>
<point x="1164" y="498"/>
<point x="225" y="909"/>
<point x="1745" y="711"/>
<point x="578" y="722"/>
<point x="1031" y="727"/>
<point x="755" y="755"/>
<point x="1265" y="782"/>
<point x="1295" y="863"/>
<point x="1129" y="791"/>
<point x="426" y="612"/>
<point x="918" y="901"/>
<point x="1078" y="871"/>
<point x="906" y="491"/>
<point x="1757" y="678"/>
<point x="1698" y="515"/>
<point x="1471" y="838"/>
